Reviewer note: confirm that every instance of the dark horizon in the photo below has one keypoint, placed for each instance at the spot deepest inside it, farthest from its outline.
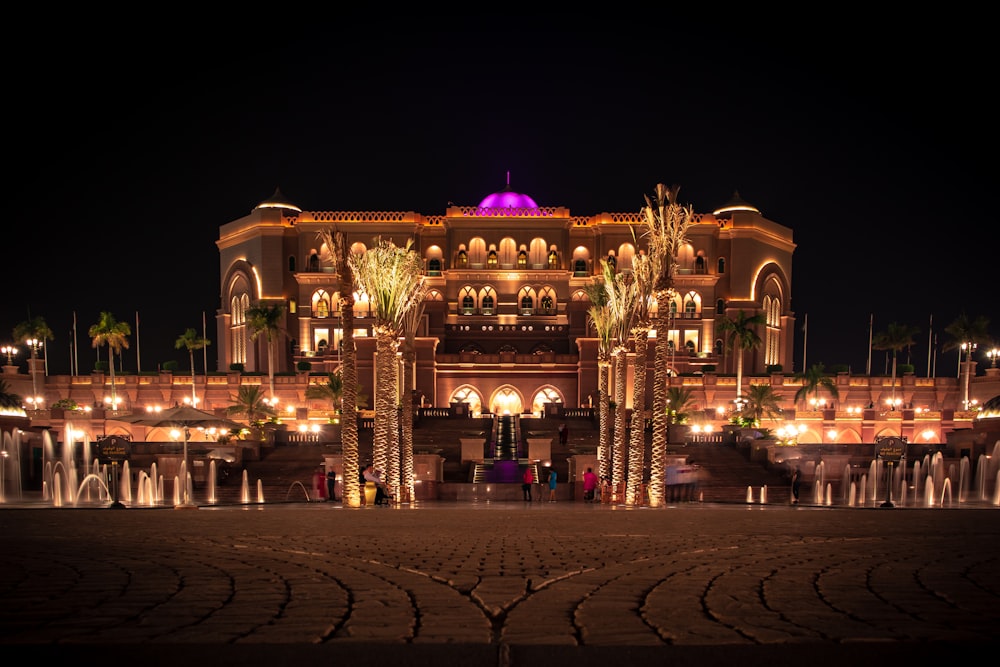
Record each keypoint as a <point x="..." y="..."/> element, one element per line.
<point x="877" y="164"/>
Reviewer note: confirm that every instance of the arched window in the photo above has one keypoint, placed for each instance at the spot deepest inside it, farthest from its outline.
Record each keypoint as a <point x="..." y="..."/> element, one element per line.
<point x="320" y="304"/>
<point x="690" y="308"/>
<point x="463" y="260"/>
<point x="488" y="304"/>
<point x="553" y="259"/>
<point x="467" y="300"/>
<point x="522" y="259"/>
<point x="434" y="266"/>
<point x="526" y="301"/>
<point x="699" y="264"/>
<point x="491" y="260"/>
<point x="580" y="267"/>
<point x="547" y="304"/>
<point x="720" y="307"/>
<point x="721" y="265"/>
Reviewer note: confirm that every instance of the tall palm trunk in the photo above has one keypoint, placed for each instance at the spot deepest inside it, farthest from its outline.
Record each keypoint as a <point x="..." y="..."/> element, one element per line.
<point x="658" y="455"/>
<point x="348" y="371"/>
<point x="409" y="360"/>
<point x="394" y="474"/>
<point x="637" y="439"/>
<point x="385" y="398"/>
<point x="620" y="358"/>
<point x="603" y="446"/>
<point x="270" y="364"/>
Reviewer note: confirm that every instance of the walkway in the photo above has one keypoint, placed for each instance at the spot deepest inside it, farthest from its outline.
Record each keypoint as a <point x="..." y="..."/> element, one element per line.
<point x="505" y="584"/>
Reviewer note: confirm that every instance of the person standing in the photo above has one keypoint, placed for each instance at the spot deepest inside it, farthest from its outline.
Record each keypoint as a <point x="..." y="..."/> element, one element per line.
<point x="552" y="485"/>
<point x="796" y="483"/>
<point x="331" y="485"/>
<point x="563" y="434"/>
<point x="526" y="482"/>
<point x="589" y="485"/>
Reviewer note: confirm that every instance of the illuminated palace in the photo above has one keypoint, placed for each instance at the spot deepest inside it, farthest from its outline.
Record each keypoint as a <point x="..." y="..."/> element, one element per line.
<point x="505" y="326"/>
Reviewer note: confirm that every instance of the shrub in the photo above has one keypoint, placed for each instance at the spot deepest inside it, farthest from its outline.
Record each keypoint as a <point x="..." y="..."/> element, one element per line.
<point x="905" y="368"/>
<point x="304" y="365"/>
<point x="171" y="365"/>
<point x="101" y="366"/>
<point x="840" y="368"/>
<point x="236" y="366"/>
<point x="772" y="368"/>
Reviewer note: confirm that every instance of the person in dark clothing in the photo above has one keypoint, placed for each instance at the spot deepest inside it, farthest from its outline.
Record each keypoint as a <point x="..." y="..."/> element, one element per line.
<point x="331" y="485"/>
<point x="796" y="482"/>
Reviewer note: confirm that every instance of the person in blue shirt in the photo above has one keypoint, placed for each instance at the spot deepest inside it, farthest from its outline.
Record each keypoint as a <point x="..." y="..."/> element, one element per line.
<point x="552" y="486"/>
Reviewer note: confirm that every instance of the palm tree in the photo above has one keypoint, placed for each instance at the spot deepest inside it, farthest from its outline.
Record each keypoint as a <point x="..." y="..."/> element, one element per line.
<point x="109" y="331"/>
<point x="266" y="320"/>
<point x="251" y="402"/>
<point x="966" y="334"/>
<point x="740" y="337"/>
<point x="895" y="338"/>
<point x="622" y="294"/>
<point x="603" y="323"/>
<point x="192" y="341"/>
<point x="678" y="400"/>
<point x="761" y="399"/>
<point x="331" y="391"/>
<point x="392" y="278"/>
<point x="814" y="380"/>
<point x="336" y="242"/>
<point x="9" y="401"/>
<point x="642" y="270"/>
<point x="411" y="322"/>
<point x="665" y="227"/>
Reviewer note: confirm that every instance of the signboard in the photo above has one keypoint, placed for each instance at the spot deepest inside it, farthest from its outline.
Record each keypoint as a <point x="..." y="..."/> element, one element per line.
<point x="113" y="449"/>
<point x="891" y="449"/>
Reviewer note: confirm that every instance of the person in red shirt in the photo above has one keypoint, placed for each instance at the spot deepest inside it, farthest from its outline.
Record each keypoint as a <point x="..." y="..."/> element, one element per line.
<point x="589" y="484"/>
<point x="527" y="481"/>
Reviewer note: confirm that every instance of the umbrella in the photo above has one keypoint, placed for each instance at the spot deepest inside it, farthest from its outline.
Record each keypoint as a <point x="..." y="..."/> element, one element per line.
<point x="184" y="417"/>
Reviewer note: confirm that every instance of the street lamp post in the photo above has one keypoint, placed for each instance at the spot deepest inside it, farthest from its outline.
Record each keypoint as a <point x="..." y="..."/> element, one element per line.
<point x="10" y="351"/>
<point x="34" y="345"/>
<point x="992" y="355"/>
<point x="968" y="348"/>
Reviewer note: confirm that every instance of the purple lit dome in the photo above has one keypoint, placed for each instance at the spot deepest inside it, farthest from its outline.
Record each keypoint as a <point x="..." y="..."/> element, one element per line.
<point x="507" y="198"/>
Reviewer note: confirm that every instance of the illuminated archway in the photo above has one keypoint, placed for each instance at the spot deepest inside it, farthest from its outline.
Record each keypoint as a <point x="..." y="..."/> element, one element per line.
<point x="506" y="401"/>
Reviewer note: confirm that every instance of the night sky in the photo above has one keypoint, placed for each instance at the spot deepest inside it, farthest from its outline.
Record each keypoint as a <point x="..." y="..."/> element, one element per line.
<point x="873" y="147"/>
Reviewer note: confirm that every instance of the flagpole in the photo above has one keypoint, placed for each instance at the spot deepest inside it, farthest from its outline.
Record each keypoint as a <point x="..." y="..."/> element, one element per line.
<point x="934" y="373"/>
<point x="75" y="360"/>
<point x="930" y="338"/>
<point x="871" y="324"/>
<point x="805" y="339"/>
<point x="204" y="349"/>
<point x="138" y="363"/>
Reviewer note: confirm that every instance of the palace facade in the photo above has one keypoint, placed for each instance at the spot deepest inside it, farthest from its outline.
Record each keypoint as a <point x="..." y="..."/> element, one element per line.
<point x="504" y="326"/>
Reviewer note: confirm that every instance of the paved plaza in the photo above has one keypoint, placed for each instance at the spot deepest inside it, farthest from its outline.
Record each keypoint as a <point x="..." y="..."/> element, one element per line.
<point x="508" y="583"/>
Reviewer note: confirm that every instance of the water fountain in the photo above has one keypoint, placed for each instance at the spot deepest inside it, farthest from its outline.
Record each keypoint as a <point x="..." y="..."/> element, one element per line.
<point x="301" y="486"/>
<point x="210" y="496"/>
